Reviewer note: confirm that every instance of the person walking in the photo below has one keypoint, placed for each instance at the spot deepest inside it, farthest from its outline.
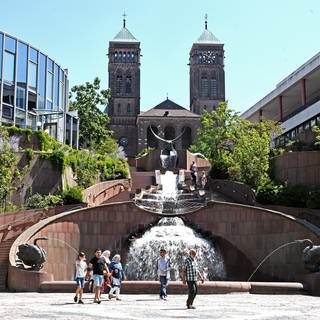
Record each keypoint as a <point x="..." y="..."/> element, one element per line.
<point x="163" y="264"/>
<point x="190" y="275"/>
<point x="194" y="173"/>
<point x="116" y="264"/>
<point x="98" y="264"/>
<point x="81" y="268"/>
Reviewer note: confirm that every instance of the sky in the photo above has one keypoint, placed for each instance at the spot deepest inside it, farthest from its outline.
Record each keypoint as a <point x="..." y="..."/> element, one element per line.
<point x="264" y="41"/>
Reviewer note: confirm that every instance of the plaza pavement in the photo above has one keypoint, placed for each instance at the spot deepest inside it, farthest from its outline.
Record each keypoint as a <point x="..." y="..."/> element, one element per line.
<point x="215" y="306"/>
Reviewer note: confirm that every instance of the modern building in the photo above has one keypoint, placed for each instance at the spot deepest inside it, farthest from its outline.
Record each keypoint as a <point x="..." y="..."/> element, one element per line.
<point x="34" y="91"/>
<point x="295" y="103"/>
<point x="168" y="119"/>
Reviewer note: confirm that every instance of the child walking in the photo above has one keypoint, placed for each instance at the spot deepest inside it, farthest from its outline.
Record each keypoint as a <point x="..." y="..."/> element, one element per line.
<point x="81" y="267"/>
<point x="115" y="284"/>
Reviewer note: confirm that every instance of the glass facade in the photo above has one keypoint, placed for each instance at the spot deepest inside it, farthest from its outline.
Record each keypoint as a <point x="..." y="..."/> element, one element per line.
<point x="33" y="90"/>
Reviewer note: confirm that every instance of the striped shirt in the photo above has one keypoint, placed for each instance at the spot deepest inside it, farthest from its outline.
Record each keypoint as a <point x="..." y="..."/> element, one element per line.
<point x="191" y="269"/>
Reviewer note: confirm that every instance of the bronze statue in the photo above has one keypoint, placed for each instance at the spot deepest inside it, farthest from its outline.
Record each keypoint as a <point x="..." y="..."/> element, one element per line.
<point x="168" y="156"/>
<point x="311" y="257"/>
<point x="32" y="254"/>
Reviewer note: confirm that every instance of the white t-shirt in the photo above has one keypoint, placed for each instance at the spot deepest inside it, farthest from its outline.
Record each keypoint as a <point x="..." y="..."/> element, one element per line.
<point x="81" y="267"/>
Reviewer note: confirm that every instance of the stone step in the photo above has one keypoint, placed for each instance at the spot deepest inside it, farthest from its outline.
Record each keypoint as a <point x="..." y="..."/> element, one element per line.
<point x="176" y="287"/>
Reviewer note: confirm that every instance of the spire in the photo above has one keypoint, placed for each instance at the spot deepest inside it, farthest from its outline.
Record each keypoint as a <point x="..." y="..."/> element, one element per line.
<point x="207" y="36"/>
<point x="206" y="21"/>
<point x="124" y="19"/>
<point x="124" y="35"/>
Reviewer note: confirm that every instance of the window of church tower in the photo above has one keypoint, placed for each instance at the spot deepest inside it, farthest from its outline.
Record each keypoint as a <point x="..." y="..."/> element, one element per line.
<point x="204" y="86"/>
<point x="119" y="108"/>
<point x="128" y="108"/>
<point x="213" y="87"/>
<point x="118" y="84"/>
<point x="128" y="84"/>
<point x="132" y="56"/>
<point x="116" y="56"/>
<point x="120" y="56"/>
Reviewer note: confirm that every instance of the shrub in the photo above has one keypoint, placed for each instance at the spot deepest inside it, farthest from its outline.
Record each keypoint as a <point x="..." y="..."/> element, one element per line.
<point x="44" y="201"/>
<point x="72" y="195"/>
<point x="294" y="196"/>
<point x="269" y="193"/>
<point x="313" y="200"/>
<point x="30" y="154"/>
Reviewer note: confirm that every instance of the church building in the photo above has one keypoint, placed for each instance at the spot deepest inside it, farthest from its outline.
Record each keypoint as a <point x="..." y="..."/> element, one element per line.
<point x="167" y="119"/>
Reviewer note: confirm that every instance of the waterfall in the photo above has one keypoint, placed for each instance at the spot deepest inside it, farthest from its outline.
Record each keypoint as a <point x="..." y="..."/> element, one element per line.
<point x="172" y="235"/>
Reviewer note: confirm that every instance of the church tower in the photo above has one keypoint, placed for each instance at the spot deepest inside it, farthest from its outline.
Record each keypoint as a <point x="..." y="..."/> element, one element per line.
<point x="207" y="82"/>
<point x="124" y="82"/>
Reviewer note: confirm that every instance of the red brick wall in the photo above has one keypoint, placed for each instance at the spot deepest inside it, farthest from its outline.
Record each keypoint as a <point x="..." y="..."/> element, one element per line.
<point x="245" y="235"/>
<point x="299" y="167"/>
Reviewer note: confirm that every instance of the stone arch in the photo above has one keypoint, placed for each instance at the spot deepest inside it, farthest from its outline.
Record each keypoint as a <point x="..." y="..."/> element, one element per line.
<point x="152" y="141"/>
<point x="169" y="132"/>
<point x="186" y="138"/>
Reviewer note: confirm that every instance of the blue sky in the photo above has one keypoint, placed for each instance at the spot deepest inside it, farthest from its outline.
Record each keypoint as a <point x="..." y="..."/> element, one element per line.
<point x="264" y="40"/>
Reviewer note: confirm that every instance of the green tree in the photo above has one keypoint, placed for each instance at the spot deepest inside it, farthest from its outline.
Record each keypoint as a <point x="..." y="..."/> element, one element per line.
<point x="7" y="170"/>
<point x="214" y="138"/>
<point x="93" y="122"/>
<point x="236" y="148"/>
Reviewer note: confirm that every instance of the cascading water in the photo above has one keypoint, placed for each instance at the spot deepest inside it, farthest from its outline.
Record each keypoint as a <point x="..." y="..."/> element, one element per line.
<point x="172" y="235"/>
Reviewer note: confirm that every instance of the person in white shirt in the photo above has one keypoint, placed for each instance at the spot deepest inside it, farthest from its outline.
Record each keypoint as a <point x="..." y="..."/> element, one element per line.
<point x="81" y="268"/>
<point x="163" y="264"/>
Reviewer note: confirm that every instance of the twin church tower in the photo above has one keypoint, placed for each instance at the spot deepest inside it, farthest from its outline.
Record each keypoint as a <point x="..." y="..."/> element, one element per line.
<point x="168" y="119"/>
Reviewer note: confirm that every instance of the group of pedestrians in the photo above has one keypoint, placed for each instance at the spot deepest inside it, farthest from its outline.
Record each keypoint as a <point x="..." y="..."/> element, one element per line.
<point x="102" y="272"/>
<point x="110" y="274"/>
<point x="197" y="181"/>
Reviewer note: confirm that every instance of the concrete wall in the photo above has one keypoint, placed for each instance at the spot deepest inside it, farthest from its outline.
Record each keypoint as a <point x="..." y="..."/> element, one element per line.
<point x="301" y="167"/>
<point x="245" y="236"/>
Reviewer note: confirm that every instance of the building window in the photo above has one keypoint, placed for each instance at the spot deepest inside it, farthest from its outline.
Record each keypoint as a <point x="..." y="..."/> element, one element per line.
<point x="1" y="45"/>
<point x="10" y="44"/>
<point x="128" y="84"/>
<point x="56" y="87"/>
<point x="204" y="86"/>
<point x="118" y="84"/>
<point x="119" y="108"/>
<point x="22" y="64"/>
<point x="8" y="70"/>
<point x="32" y="76"/>
<point x="21" y="97"/>
<point x="128" y="108"/>
<point x="42" y="81"/>
<point x="213" y="87"/>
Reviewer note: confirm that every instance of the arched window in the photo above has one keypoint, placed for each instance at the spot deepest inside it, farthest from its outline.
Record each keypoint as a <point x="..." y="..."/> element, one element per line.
<point x="119" y="108"/>
<point x="204" y="86"/>
<point x="118" y="84"/>
<point x="213" y="87"/>
<point x="128" y="108"/>
<point x="152" y="141"/>
<point x="186" y="138"/>
<point x="116" y="56"/>
<point x="132" y="56"/>
<point x="120" y="56"/>
<point x="128" y="84"/>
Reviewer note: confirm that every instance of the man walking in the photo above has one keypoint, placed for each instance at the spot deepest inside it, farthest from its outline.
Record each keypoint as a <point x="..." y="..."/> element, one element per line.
<point x="98" y="264"/>
<point x="163" y="273"/>
<point x="189" y="276"/>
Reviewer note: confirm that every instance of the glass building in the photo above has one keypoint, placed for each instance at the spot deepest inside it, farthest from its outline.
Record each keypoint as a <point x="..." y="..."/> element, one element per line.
<point x="34" y="91"/>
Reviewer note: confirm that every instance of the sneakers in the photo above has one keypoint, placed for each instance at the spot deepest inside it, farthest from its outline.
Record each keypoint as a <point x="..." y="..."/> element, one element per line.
<point x="75" y="299"/>
<point x="80" y="302"/>
<point x="191" y="307"/>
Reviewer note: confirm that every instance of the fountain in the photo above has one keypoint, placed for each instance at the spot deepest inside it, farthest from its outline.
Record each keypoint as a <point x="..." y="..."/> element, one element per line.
<point x="172" y="234"/>
<point x="171" y="197"/>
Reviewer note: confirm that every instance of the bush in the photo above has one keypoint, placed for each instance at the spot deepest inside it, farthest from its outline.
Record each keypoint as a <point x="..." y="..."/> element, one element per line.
<point x="294" y="196"/>
<point x="72" y="195"/>
<point x="313" y="200"/>
<point x="44" y="201"/>
<point x="30" y="154"/>
<point x="269" y="193"/>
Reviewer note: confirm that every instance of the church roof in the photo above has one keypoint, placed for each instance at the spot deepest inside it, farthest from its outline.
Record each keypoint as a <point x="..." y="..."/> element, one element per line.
<point x="207" y="36"/>
<point x="124" y="35"/>
<point x="168" y="108"/>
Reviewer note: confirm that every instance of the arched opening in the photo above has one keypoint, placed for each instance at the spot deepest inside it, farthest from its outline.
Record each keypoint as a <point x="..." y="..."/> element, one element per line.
<point x="152" y="141"/>
<point x="186" y="139"/>
<point x="169" y="133"/>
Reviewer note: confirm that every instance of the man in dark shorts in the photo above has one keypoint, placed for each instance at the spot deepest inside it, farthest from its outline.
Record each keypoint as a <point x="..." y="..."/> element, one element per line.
<point x="98" y="264"/>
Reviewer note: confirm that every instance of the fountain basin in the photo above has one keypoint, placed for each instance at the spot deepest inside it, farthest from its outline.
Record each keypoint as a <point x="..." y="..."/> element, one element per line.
<point x="176" y="287"/>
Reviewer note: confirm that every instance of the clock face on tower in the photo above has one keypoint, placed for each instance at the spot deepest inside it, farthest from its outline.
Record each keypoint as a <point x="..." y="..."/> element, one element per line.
<point x="208" y="57"/>
<point x="123" y="141"/>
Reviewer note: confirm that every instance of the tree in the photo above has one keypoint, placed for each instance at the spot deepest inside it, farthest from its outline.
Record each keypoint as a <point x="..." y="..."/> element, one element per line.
<point x="236" y="148"/>
<point x="93" y="122"/>
<point x="7" y="171"/>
